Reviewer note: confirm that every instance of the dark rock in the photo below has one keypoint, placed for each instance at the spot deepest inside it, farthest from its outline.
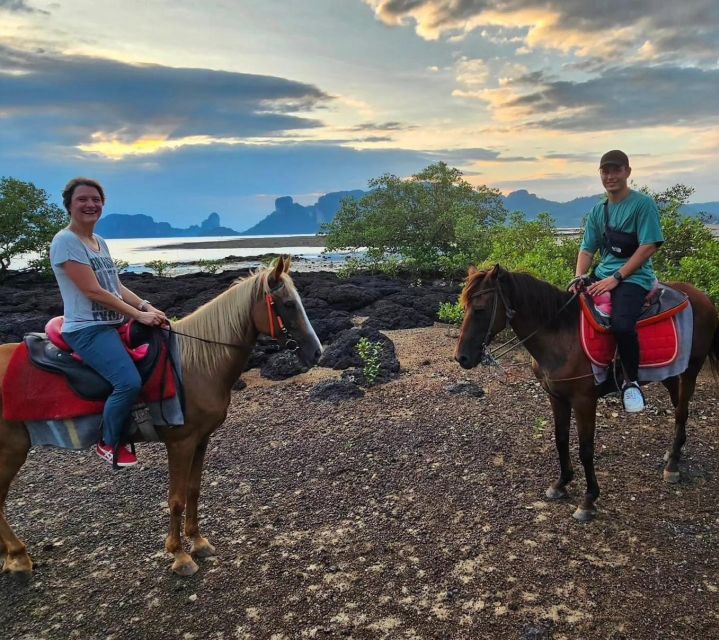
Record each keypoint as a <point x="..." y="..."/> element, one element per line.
<point x="537" y="632"/>
<point x="279" y="366"/>
<point x="239" y="385"/>
<point x="343" y="353"/>
<point x="386" y="314"/>
<point x="329" y="327"/>
<point x="335" y="391"/>
<point x="466" y="389"/>
<point x="346" y="297"/>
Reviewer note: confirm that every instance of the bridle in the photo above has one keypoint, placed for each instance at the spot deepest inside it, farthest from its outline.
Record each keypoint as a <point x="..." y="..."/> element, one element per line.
<point x="273" y="317"/>
<point x="509" y="313"/>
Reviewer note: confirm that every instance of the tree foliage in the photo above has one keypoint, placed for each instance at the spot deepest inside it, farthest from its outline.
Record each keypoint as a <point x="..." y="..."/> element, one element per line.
<point x="28" y="223"/>
<point x="432" y="220"/>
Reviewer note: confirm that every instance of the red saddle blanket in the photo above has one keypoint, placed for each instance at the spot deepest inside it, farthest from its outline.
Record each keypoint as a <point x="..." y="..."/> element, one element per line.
<point x="30" y="393"/>
<point x="658" y="338"/>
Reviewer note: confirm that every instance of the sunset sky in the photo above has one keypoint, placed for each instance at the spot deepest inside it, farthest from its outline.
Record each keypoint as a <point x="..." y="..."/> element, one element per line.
<point x="182" y="108"/>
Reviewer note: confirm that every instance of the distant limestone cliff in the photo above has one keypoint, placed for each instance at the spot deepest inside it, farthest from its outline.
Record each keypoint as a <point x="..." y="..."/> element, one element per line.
<point x="119" y="225"/>
<point x="292" y="218"/>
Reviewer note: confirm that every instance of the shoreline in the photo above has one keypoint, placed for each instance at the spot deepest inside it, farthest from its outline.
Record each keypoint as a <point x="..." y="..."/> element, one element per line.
<point x="272" y="242"/>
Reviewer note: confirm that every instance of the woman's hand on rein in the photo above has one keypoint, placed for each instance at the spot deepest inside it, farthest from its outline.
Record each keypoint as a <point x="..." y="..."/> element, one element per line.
<point x="152" y="318"/>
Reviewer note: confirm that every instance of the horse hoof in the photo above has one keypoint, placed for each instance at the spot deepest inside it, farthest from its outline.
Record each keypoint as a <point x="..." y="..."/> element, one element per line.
<point x="18" y="565"/>
<point x="584" y="515"/>
<point x="556" y="494"/>
<point x="185" y="566"/>
<point x="202" y="549"/>
<point x="672" y="477"/>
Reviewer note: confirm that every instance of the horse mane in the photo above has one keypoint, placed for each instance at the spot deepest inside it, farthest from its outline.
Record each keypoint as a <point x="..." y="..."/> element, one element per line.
<point x="226" y="318"/>
<point x="530" y="297"/>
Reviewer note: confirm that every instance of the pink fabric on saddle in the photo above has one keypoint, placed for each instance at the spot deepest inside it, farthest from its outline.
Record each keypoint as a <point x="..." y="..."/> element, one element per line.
<point x="53" y="329"/>
<point x="603" y="302"/>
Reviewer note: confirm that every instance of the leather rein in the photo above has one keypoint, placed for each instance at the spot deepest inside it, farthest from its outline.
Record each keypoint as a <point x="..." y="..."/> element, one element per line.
<point x="509" y="314"/>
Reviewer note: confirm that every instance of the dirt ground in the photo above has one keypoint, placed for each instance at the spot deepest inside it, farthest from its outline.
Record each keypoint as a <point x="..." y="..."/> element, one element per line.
<point x="408" y="513"/>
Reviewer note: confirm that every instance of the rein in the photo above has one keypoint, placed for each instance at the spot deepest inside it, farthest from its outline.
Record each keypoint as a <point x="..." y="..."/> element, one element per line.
<point x="509" y="314"/>
<point x="273" y="318"/>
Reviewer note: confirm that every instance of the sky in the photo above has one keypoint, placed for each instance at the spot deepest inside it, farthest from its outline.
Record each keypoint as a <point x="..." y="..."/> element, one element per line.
<point x="182" y="108"/>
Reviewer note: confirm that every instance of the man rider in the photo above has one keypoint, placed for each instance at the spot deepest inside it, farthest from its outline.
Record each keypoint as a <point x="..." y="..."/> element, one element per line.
<point x="625" y="229"/>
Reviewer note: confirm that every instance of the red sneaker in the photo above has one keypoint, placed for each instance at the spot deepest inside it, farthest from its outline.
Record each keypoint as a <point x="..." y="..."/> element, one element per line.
<point x="125" y="457"/>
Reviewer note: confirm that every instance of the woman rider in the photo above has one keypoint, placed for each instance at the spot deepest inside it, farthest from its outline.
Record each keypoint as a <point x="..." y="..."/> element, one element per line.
<point x="95" y="304"/>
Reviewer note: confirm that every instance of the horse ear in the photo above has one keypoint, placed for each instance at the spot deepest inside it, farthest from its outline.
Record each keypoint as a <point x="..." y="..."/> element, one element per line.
<point x="288" y="262"/>
<point x="278" y="270"/>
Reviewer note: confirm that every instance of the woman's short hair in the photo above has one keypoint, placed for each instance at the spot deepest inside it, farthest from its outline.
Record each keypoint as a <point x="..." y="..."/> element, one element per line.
<point x="74" y="184"/>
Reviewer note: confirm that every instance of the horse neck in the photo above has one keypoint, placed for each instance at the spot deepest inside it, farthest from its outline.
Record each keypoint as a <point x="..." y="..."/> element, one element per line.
<point x="540" y="313"/>
<point x="225" y="319"/>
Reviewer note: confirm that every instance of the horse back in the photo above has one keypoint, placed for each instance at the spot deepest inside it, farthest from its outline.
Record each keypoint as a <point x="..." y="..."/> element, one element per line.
<point x="6" y="351"/>
<point x="706" y="319"/>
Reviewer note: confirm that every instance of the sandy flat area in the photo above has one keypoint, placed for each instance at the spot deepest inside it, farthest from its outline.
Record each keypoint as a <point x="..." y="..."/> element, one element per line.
<point x="251" y="243"/>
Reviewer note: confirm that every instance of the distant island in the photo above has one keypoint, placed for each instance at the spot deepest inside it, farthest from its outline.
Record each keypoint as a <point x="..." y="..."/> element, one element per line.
<point x="120" y="225"/>
<point x="291" y="218"/>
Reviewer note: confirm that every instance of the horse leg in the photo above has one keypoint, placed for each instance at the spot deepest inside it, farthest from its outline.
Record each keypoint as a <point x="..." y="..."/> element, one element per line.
<point x="179" y="456"/>
<point x="680" y="400"/>
<point x="201" y="548"/>
<point x="586" y="413"/>
<point x="13" y="453"/>
<point x="562" y="411"/>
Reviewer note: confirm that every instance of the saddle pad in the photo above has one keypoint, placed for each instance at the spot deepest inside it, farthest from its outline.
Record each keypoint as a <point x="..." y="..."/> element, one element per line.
<point x="29" y="393"/>
<point x="658" y="343"/>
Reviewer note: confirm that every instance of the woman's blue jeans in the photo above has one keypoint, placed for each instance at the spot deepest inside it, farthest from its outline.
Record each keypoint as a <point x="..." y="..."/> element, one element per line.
<point x="101" y="348"/>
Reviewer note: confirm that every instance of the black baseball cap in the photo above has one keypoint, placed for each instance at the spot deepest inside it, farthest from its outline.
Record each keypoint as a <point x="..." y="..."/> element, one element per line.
<point x="616" y="157"/>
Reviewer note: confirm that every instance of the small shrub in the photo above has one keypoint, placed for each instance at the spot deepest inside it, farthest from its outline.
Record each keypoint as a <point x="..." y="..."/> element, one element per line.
<point x="369" y="352"/>
<point x="451" y="313"/>
<point x="121" y="265"/>
<point x="209" y="266"/>
<point x="350" y="267"/>
<point x="160" y="267"/>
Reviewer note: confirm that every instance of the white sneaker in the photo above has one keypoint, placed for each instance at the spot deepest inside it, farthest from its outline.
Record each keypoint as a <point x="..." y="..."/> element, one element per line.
<point x="632" y="398"/>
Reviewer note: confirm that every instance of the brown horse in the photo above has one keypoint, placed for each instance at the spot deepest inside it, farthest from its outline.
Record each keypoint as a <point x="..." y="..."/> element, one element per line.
<point x="229" y="325"/>
<point x="547" y="318"/>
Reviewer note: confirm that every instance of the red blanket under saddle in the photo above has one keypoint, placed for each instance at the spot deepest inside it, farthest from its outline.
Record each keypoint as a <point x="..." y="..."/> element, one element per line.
<point x="30" y="393"/>
<point x="658" y="339"/>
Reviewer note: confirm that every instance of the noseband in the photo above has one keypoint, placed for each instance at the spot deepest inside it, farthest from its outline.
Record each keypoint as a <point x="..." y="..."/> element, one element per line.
<point x="273" y="317"/>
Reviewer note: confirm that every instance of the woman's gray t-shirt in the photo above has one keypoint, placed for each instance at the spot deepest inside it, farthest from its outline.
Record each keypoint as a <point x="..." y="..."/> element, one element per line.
<point x="79" y="310"/>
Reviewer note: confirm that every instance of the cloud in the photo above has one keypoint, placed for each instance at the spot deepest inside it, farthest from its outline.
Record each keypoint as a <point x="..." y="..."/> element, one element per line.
<point x="77" y="99"/>
<point x="18" y="6"/>
<point x="381" y="126"/>
<point x="621" y="98"/>
<point x="658" y="30"/>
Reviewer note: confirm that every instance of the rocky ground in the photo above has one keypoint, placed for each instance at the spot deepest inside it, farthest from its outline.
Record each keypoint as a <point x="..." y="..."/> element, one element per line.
<point x="414" y="511"/>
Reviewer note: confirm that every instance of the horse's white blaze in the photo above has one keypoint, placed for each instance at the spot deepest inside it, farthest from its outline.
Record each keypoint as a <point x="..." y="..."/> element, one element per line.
<point x="301" y="307"/>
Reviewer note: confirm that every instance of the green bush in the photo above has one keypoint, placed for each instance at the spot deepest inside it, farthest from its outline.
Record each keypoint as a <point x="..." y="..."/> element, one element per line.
<point x="28" y="223"/>
<point x="160" y="267"/>
<point x="433" y="214"/>
<point x="451" y="313"/>
<point x="369" y="352"/>
<point x="121" y="265"/>
<point x="209" y="266"/>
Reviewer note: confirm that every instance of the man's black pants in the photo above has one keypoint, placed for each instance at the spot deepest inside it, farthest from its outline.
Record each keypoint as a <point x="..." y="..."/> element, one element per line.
<point x="627" y="302"/>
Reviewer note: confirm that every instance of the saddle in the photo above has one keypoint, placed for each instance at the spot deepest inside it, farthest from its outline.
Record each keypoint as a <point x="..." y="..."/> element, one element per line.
<point x="45" y="381"/>
<point x="656" y="327"/>
<point x="50" y="352"/>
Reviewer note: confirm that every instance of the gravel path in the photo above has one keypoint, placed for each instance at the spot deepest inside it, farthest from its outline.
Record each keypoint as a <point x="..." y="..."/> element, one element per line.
<point x="408" y="513"/>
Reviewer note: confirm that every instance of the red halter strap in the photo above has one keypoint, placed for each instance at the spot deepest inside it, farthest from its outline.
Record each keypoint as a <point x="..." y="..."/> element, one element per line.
<point x="273" y="316"/>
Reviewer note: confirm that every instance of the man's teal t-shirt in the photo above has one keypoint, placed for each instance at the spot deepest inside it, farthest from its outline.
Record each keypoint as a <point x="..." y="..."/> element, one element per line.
<point x="637" y="213"/>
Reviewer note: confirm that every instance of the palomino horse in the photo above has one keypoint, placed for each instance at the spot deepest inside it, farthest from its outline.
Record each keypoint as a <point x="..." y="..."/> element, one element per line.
<point x="227" y="328"/>
<point x="546" y="319"/>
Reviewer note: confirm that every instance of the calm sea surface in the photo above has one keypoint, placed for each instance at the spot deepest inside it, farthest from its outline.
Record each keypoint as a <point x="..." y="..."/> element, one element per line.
<point x="138" y="251"/>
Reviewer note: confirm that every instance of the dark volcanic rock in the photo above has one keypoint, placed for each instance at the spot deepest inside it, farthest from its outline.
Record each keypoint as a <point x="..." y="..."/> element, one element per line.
<point x="328" y="327"/>
<point x="335" y="391"/>
<point x="279" y="366"/>
<point x="466" y="389"/>
<point x="343" y="354"/>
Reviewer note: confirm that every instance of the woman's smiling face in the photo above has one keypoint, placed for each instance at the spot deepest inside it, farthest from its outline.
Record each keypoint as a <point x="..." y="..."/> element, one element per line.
<point x="85" y="205"/>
